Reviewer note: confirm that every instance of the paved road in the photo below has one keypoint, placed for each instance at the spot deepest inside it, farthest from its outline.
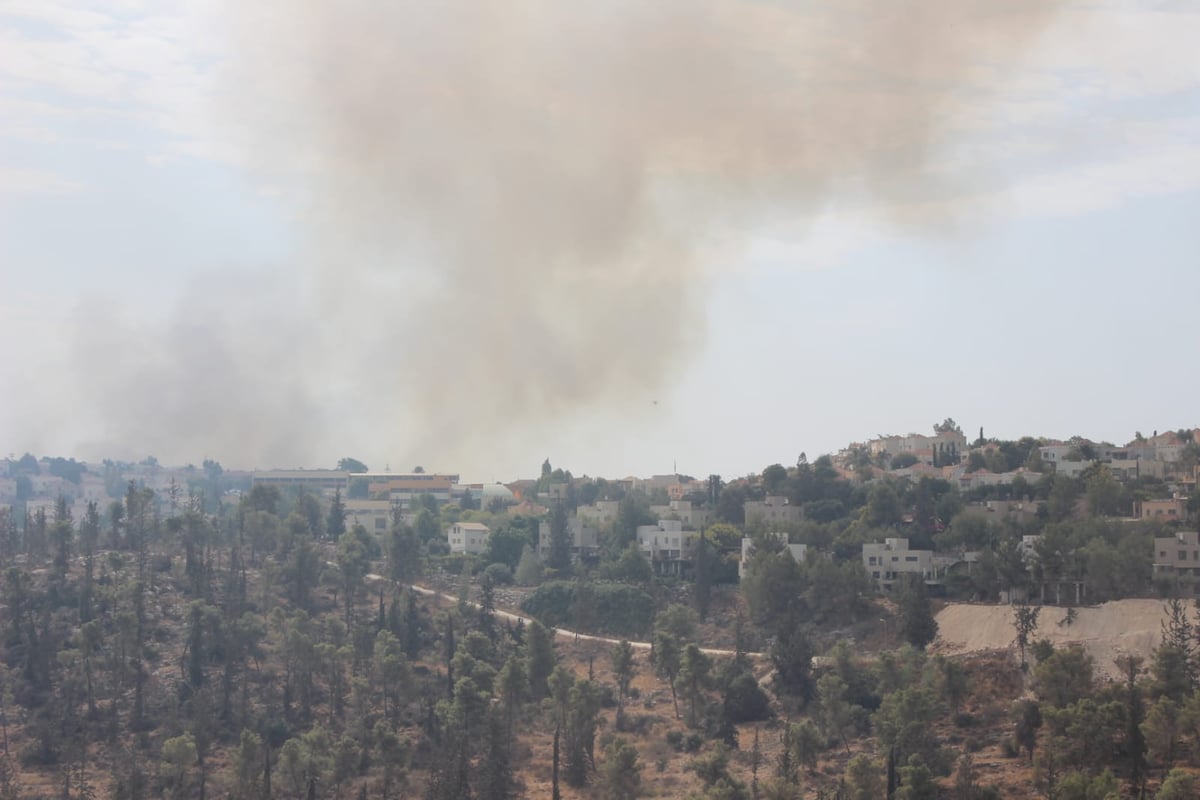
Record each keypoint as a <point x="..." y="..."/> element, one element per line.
<point x="562" y="633"/>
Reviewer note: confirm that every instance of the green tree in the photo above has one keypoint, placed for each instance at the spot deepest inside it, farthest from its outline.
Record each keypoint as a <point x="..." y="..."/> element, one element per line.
<point x="496" y="778"/>
<point x="954" y="683"/>
<point x="863" y="779"/>
<point x="631" y="567"/>
<point x="677" y="620"/>
<point x="1065" y="677"/>
<point x="402" y="551"/>
<point x="806" y="744"/>
<point x="791" y="654"/>
<point x="354" y="562"/>
<point x="1161" y="732"/>
<point x="529" y="568"/>
<point x="505" y="545"/>
<point x="351" y="465"/>
<point x="247" y="766"/>
<point x="335" y="524"/>
<point x="883" y="506"/>
<point x="773" y="479"/>
<point x="1103" y="493"/>
<point x="916" y="781"/>
<point x="694" y="679"/>
<point x="666" y="657"/>
<point x="1179" y="785"/>
<point x="306" y="762"/>
<point x="905" y="721"/>
<point x="623" y="672"/>
<point x="558" y="556"/>
<point x="178" y="757"/>
<point x="540" y="654"/>
<point x="513" y="686"/>
<point x="1028" y="718"/>
<point x="1135" y="713"/>
<point x="1025" y="622"/>
<point x="838" y="717"/>
<point x="917" y="625"/>
<point x="621" y="773"/>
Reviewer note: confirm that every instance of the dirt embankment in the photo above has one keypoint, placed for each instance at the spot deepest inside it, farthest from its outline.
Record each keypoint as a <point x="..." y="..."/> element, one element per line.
<point x="1122" y="627"/>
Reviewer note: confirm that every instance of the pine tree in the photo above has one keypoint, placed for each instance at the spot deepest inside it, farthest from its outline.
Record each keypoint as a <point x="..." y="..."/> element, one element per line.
<point x="336" y="525"/>
<point x="559" y="556"/>
<point x="917" y="624"/>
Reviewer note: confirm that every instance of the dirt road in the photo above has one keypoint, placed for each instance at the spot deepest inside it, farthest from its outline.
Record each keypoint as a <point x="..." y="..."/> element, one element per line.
<point x="561" y="633"/>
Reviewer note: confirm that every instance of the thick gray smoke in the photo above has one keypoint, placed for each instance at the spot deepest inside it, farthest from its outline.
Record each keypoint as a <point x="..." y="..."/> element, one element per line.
<point x="515" y="206"/>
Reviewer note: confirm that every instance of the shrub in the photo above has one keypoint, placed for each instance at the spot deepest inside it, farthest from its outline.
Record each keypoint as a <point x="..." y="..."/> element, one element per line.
<point x="964" y="720"/>
<point x="745" y="701"/>
<point x="620" y="610"/>
<point x="500" y="574"/>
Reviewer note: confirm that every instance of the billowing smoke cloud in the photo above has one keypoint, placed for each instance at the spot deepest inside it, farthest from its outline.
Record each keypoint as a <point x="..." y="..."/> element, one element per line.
<point x="515" y="206"/>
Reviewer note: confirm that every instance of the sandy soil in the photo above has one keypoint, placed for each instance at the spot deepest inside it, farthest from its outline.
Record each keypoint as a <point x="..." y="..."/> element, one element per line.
<point x="1121" y="627"/>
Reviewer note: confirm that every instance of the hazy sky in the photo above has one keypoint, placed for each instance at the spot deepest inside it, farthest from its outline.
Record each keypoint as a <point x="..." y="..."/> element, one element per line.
<point x="714" y="236"/>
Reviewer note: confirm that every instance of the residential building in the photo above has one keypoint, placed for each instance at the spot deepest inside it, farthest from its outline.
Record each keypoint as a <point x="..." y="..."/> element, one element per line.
<point x="667" y="545"/>
<point x="939" y="450"/>
<point x="664" y="482"/>
<point x="1073" y="469"/>
<point x="771" y="511"/>
<point x="1178" y="555"/>
<point x="682" y="510"/>
<point x="585" y="539"/>
<point x="600" y="513"/>
<point x="468" y="537"/>
<point x="1168" y="510"/>
<point x="1019" y="511"/>
<point x="374" y="515"/>
<point x="888" y="560"/>
<point x="798" y="551"/>
<point x="1056" y="452"/>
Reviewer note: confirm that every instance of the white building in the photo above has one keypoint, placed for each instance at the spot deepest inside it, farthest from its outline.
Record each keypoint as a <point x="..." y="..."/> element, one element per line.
<point x="798" y="551"/>
<point x="773" y="510"/>
<point x="374" y="515"/>
<point x="666" y="545"/>
<point x="468" y="537"/>
<point x="890" y="559"/>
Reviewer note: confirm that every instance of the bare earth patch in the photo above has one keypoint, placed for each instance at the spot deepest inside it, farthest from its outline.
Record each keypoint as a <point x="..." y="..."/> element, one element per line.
<point x="1121" y="627"/>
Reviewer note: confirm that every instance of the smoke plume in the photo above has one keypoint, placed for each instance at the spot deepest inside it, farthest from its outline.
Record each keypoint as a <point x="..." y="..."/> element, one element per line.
<point x="515" y="207"/>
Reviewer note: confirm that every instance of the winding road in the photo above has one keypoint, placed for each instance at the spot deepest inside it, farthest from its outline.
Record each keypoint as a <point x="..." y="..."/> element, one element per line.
<point x="562" y="633"/>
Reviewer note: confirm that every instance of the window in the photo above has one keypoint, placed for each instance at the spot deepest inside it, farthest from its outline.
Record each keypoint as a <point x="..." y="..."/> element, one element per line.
<point x="875" y="574"/>
<point x="910" y="558"/>
<point x="380" y="523"/>
<point x="1162" y="553"/>
<point x="1183" y="555"/>
<point x="871" y="562"/>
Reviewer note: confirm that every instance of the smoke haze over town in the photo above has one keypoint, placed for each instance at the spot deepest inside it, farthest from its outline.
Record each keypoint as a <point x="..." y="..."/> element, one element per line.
<point x="473" y="234"/>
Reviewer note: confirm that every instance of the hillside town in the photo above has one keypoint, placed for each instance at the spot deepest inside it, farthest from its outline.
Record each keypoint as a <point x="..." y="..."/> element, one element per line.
<point x="916" y="617"/>
<point x="938" y="505"/>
